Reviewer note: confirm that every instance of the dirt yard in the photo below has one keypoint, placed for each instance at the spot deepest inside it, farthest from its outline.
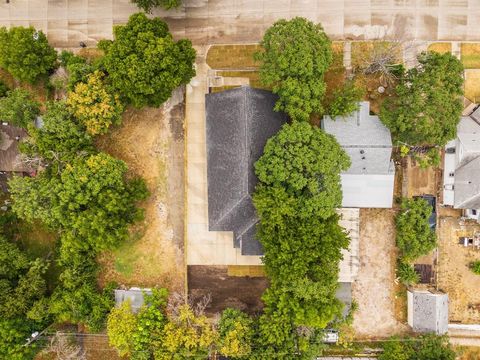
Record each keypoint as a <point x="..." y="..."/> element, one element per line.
<point x="243" y="293"/>
<point x="454" y="276"/>
<point x="421" y="181"/>
<point x="151" y="142"/>
<point x="374" y="289"/>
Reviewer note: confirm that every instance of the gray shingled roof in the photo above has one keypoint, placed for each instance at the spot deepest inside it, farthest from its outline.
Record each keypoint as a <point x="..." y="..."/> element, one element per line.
<point x="365" y="139"/>
<point x="428" y="312"/>
<point x="238" y="123"/>
<point x="467" y="185"/>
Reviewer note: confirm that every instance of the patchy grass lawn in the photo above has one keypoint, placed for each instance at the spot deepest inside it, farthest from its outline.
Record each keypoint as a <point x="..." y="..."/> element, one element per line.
<point x="472" y="85"/>
<point x="232" y="56"/>
<point x="470" y="55"/>
<point x="151" y="142"/>
<point x="467" y="352"/>
<point x="440" y="47"/>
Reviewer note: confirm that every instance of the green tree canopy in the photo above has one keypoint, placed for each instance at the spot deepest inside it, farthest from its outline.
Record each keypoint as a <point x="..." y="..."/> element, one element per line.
<point x="61" y="139"/>
<point x="414" y="235"/>
<point x="149" y="5"/>
<point x="344" y="100"/>
<point x="306" y="163"/>
<point x="296" y="54"/>
<point x="94" y="105"/>
<point x="18" y="108"/>
<point x="428" y="104"/>
<point x="144" y="63"/>
<point x="25" y="53"/>
<point x="91" y="198"/>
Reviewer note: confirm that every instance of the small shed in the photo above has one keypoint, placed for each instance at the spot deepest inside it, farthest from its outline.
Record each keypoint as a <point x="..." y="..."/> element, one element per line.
<point x="134" y="295"/>
<point x="428" y="311"/>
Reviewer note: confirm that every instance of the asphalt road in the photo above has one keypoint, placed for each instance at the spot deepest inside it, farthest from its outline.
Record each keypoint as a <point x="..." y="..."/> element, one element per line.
<point x="244" y="21"/>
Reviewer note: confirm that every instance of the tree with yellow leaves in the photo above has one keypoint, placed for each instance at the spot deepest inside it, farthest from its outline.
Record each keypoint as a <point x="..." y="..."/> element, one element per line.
<point x="187" y="335"/>
<point x="121" y="326"/>
<point x="94" y="106"/>
<point x="235" y="334"/>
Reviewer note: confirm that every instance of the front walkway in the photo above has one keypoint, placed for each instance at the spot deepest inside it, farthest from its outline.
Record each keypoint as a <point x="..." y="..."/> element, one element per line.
<point x="203" y="247"/>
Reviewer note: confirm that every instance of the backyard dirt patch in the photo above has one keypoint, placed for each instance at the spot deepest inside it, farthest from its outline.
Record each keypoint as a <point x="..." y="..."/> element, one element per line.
<point x="421" y="181"/>
<point x="374" y="289"/>
<point x="243" y="293"/>
<point x="440" y="47"/>
<point x="470" y="55"/>
<point x="151" y="142"/>
<point x="472" y="85"/>
<point x="453" y="275"/>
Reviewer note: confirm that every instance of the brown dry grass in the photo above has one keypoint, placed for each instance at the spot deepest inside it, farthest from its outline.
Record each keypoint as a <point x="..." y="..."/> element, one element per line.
<point x="454" y="275"/>
<point x="362" y="50"/>
<point x="38" y="91"/>
<point x="472" y="85"/>
<point x="467" y="352"/>
<point x="232" y="57"/>
<point x="470" y="55"/>
<point x="152" y="146"/>
<point x="440" y="47"/>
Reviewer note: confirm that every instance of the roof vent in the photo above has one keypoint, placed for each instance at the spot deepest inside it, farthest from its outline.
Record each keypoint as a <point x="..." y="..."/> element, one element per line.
<point x="362" y="151"/>
<point x="363" y="157"/>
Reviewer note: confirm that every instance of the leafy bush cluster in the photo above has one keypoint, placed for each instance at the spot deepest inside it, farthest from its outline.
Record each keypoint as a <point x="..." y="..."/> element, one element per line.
<point x="475" y="266"/>
<point x="149" y="5"/>
<point x="428" y="104"/>
<point x="298" y="192"/>
<point x="26" y="54"/>
<point x="426" y="347"/>
<point x="415" y="238"/>
<point x="183" y="331"/>
<point x="296" y="55"/>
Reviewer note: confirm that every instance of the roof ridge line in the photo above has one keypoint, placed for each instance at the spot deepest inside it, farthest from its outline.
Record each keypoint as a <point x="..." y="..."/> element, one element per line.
<point x="228" y="212"/>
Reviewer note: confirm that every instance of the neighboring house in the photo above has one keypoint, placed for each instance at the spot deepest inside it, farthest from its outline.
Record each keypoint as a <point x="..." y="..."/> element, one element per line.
<point x="427" y="311"/>
<point x="461" y="174"/>
<point x="369" y="181"/>
<point x="134" y="295"/>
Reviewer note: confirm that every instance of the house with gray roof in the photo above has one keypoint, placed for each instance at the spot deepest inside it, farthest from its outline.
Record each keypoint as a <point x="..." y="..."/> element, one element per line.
<point x="461" y="174"/>
<point x="369" y="181"/>
<point x="427" y="311"/>
<point x="238" y="124"/>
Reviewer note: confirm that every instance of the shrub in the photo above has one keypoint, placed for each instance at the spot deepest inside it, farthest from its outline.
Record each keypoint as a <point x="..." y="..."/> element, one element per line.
<point x="475" y="266"/>
<point x="407" y="274"/>
<point x="18" y="108"/>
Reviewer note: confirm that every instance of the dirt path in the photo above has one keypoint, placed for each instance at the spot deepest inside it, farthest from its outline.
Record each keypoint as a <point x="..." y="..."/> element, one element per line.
<point x="151" y="142"/>
<point x="374" y="287"/>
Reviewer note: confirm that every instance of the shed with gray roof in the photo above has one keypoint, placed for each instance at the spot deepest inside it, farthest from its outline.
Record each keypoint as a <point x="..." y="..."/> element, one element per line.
<point x="427" y="311"/>
<point x="136" y="296"/>
<point x="10" y="157"/>
<point x="238" y="124"/>
<point x="369" y="181"/>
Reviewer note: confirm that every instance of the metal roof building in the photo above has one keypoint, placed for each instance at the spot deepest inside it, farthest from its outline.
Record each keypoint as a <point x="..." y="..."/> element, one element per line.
<point x="134" y="295"/>
<point x="427" y="311"/>
<point x="10" y="157"/>
<point x="369" y="181"/>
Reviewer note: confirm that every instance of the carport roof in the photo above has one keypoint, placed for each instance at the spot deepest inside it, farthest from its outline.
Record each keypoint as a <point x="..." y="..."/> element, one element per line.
<point x="238" y="123"/>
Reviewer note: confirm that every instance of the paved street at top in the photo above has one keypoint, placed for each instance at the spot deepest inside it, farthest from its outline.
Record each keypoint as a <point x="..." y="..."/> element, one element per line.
<point x="244" y="21"/>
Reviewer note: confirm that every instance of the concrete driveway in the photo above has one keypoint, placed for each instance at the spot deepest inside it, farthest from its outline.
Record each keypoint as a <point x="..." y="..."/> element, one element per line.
<point x="240" y="21"/>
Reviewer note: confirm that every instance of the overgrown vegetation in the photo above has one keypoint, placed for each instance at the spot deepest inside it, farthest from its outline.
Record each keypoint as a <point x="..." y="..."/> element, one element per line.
<point x="298" y="191"/>
<point x="425" y="347"/>
<point x="414" y="235"/>
<point x="85" y="196"/>
<point x="428" y="102"/>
